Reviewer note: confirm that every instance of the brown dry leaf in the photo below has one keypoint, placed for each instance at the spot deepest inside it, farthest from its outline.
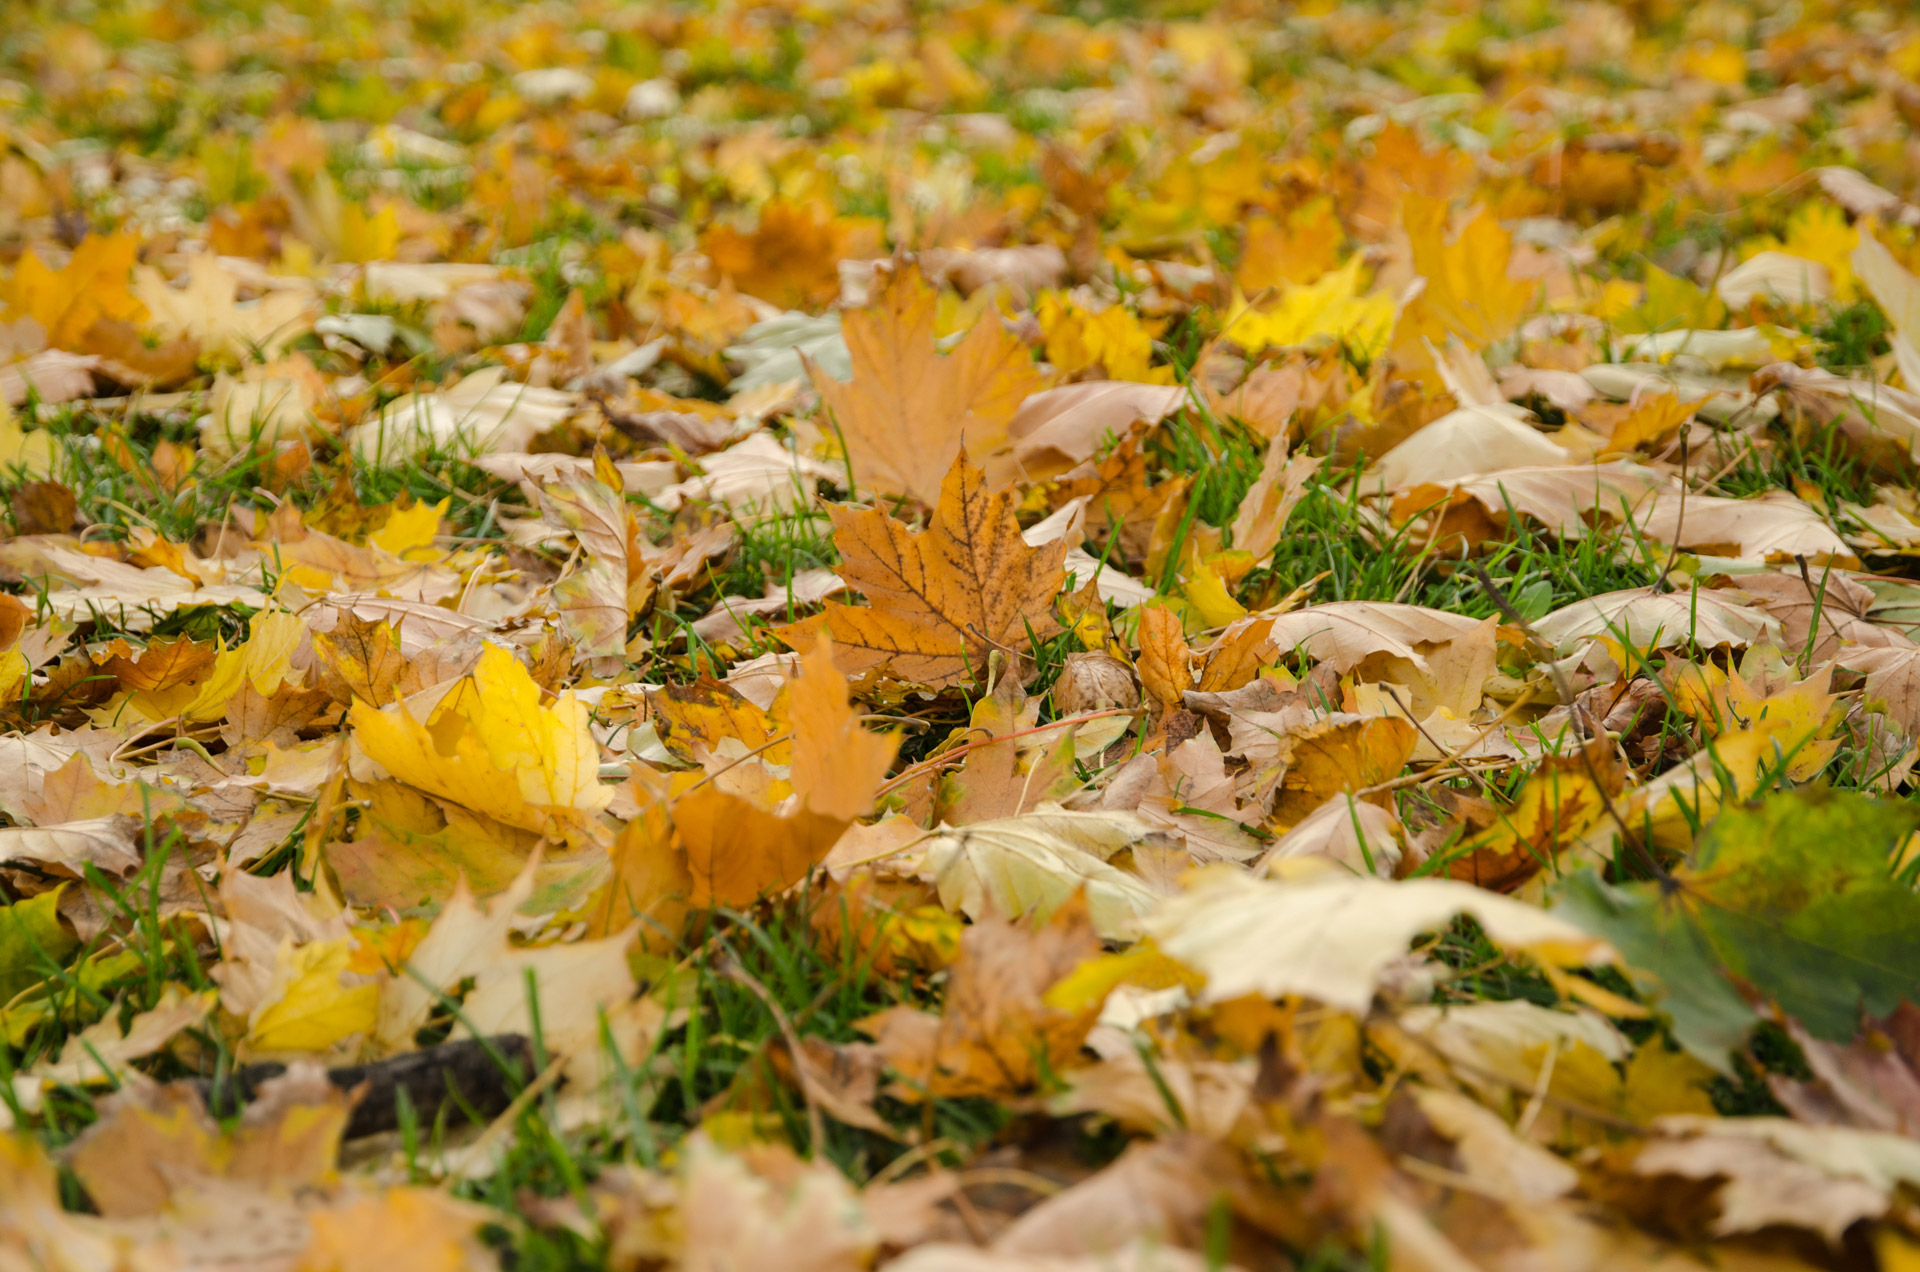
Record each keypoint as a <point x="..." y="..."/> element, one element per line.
<point x="1005" y="776"/>
<point x="910" y="409"/>
<point x="736" y="851"/>
<point x="1280" y="486"/>
<point x="997" y="1035"/>
<point x="154" y="1142"/>
<point x="1558" y="801"/>
<point x="1119" y="500"/>
<point x="694" y="720"/>
<point x="1339" y="756"/>
<point x="1329" y="935"/>
<point x="1358" y="835"/>
<point x="1265" y="401"/>
<point x="163" y="664"/>
<point x="1563" y="498"/>
<point x="360" y="660"/>
<point x="837" y="761"/>
<point x="1772" y="526"/>
<point x="1163" y="1192"/>
<point x="1443" y="659"/>
<point x="1870" y="1084"/>
<point x="1647" y="619"/>
<point x="766" y="1208"/>
<point x="1893" y="681"/>
<point x="941" y="601"/>
<point x="112" y="844"/>
<point x="1467" y="442"/>
<point x="399" y="1230"/>
<point x="1838" y="603"/>
<point x="1777" y="1172"/>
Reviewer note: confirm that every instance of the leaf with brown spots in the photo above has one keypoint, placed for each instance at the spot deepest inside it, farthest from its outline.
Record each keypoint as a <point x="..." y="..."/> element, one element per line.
<point x="939" y="602"/>
<point x="361" y="659"/>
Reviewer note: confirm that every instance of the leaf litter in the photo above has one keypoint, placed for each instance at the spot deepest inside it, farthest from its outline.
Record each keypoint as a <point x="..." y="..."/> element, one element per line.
<point x="721" y="635"/>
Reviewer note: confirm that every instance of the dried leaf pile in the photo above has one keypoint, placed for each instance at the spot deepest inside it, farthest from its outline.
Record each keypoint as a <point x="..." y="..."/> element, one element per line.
<point x="959" y="638"/>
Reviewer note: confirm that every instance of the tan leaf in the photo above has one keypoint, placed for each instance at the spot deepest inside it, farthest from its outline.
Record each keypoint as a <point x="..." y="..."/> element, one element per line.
<point x="1445" y="659"/>
<point x="1166" y="660"/>
<point x="1033" y="863"/>
<point x="910" y="409"/>
<point x="1774" y="525"/>
<point x="1059" y="428"/>
<point x="1778" y="1172"/>
<point x="996" y="1035"/>
<point x="837" y="761"/>
<point x="1281" y="485"/>
<point x="1650" y="620"/>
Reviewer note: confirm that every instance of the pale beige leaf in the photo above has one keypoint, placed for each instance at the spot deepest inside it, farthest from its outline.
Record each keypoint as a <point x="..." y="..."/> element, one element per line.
<point x="1034" y="862"/>
<point x="1780" y="1172"/>
<point x="1330" y="935"/>
<point x="1650" y="620"/>
<point x="1465" y="443"/>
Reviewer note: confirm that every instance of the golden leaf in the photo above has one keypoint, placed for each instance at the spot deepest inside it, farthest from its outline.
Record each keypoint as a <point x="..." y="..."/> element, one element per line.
<point x="491" y="747"/>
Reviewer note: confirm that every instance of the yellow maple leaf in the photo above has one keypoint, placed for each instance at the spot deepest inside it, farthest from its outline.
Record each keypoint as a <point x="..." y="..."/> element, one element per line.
<point x="91" y="287"/>
<point x="909" y="409"/>
<point x="1468" y="292"/>
<point x="1652" y="420"/>
<point x="1819" y="231"/>
<point x="1329" y="308"/>
<point x="363" y="236"/>
<point x="1112" y="340"/>
<point x="491" y="747"/>
<point x="409" y="529"/>
<point x="315" y="1009"/>
<point x="1295" y="251"/>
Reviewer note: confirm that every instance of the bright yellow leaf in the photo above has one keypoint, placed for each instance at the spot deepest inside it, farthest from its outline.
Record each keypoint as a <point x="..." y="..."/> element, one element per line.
<point x="491" y="747"/>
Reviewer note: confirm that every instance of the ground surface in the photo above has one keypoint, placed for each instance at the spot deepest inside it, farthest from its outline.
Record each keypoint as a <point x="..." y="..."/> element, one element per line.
<point x="959" y="638"/>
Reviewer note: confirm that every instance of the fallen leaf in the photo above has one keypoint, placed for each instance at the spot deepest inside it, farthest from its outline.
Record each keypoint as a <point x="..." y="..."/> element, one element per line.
<point x="996" y="1035"/>
<point x="940" y="601"/>
<point x="1328" y="935"/>
<point x="910" y="410"/>
<point x="490" y="746"/>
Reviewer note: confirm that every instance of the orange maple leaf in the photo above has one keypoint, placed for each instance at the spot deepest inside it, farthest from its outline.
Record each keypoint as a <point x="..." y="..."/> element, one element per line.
<point x="791" y="259"/>
<point x="940" y="601"/>
<point x="908" y="410"/>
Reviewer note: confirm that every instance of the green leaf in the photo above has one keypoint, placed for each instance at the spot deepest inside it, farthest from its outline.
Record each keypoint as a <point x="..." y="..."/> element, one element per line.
<point x="30" y="934"/>
<point x="1797" y="896"/>
<point x="1655" y="935"/>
